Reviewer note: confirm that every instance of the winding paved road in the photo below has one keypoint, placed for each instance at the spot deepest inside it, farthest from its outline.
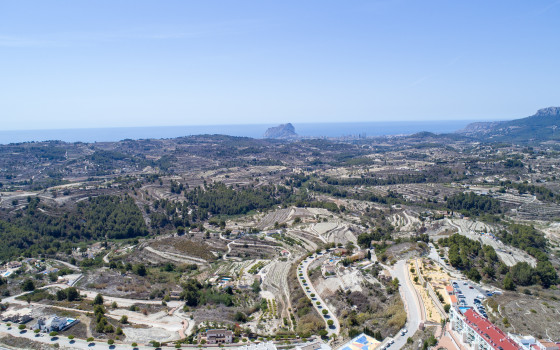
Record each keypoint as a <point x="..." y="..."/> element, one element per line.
<point x="412" y="303"/>
<point x="306" y="282"/>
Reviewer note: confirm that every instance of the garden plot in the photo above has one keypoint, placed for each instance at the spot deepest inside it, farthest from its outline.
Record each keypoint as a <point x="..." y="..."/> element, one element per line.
<point x="404" y="221"/>
<point x="267" y="320"/>
<point x="538" y="210"/>
<point x="528" y="207"/>
<point x="302" y="212"/>
<point x="319" y="211"/>
<point x="416" y="192"/>
<point x="177" y="258"/>
<point x="253" y="249"/>
<point x="335" y="232"/>
<point x="278" y="216"/>
<point x="311" y="241"/>
<point x="275" y="280"/>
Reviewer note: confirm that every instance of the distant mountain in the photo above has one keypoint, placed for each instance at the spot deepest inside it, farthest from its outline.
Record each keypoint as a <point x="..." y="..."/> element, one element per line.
<point x="284" y="131"/>
<point x="542" y="126"/>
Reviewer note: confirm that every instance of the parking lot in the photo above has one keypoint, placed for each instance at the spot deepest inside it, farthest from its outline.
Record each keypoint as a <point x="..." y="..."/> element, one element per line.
<point x="469" y="295"/>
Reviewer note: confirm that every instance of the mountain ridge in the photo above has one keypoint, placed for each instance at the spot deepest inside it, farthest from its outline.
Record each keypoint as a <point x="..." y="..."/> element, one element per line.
<point x="541" y="126"/>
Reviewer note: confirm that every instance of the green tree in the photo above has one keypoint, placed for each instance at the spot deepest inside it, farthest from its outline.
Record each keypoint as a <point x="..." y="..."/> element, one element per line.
<point x="522" y="274"/>
<point x="546" y="273"/>
<point x="72" y="294"/>
<point x="98" y="300"/>
<point x="474" y="275"/>
<point x="508" y="282"/>
<point x="28" y="285"/>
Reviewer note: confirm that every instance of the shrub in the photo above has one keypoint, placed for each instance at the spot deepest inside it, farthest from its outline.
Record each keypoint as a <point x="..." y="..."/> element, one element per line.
<point x="330" y="323"/>
<point x="110" y="342"/>
<point x="71" y="337"/>
<point x="90" y="339"/>
<point x="21" y="326"/>
<point x="324" y="312"/>
<point x="53" y="334"/>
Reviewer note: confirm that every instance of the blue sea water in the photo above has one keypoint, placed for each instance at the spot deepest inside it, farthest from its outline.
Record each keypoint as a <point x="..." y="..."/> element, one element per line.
<point x="249" y="130"/>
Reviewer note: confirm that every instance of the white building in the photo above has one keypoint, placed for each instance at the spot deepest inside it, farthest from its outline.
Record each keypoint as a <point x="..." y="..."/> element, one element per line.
<point x="477" y="333"/>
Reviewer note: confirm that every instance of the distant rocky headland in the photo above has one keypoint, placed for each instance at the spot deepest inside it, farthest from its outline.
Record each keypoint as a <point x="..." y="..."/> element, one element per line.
<point x="284" y="131"/>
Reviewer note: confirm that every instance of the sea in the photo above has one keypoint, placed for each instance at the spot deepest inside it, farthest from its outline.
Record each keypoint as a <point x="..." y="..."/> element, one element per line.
<point x="328" y="130"/>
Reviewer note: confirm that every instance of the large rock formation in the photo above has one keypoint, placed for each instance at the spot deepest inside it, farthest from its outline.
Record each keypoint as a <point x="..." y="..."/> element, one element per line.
<point x="284" y="131"/>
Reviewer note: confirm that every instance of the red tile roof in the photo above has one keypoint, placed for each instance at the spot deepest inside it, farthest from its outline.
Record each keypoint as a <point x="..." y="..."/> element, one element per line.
<point x="492" y="334"/>
<point x="449" y="288"/>
<point x="453" y="299"/>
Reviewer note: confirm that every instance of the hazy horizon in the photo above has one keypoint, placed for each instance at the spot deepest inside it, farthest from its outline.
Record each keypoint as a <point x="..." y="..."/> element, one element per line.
<point x="312" y="130"/>
<point x="267" y="124"/>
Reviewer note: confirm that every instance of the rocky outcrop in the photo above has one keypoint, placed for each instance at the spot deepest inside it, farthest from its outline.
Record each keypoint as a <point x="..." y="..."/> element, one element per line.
<point x="284" y="131"/>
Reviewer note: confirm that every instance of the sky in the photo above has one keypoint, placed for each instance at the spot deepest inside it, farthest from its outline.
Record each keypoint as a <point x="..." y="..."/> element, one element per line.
<point x="115" y="63"/>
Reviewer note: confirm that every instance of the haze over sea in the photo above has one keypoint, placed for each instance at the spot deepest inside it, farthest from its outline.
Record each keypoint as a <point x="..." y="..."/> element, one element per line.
<point x="250" y="130"/>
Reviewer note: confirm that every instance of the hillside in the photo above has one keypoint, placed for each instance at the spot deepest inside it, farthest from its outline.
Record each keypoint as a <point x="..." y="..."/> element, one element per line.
<point x="542" y="126"/>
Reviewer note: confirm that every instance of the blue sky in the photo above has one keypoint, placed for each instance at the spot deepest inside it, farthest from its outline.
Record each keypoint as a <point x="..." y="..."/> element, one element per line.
<point x="68" y="64"/>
